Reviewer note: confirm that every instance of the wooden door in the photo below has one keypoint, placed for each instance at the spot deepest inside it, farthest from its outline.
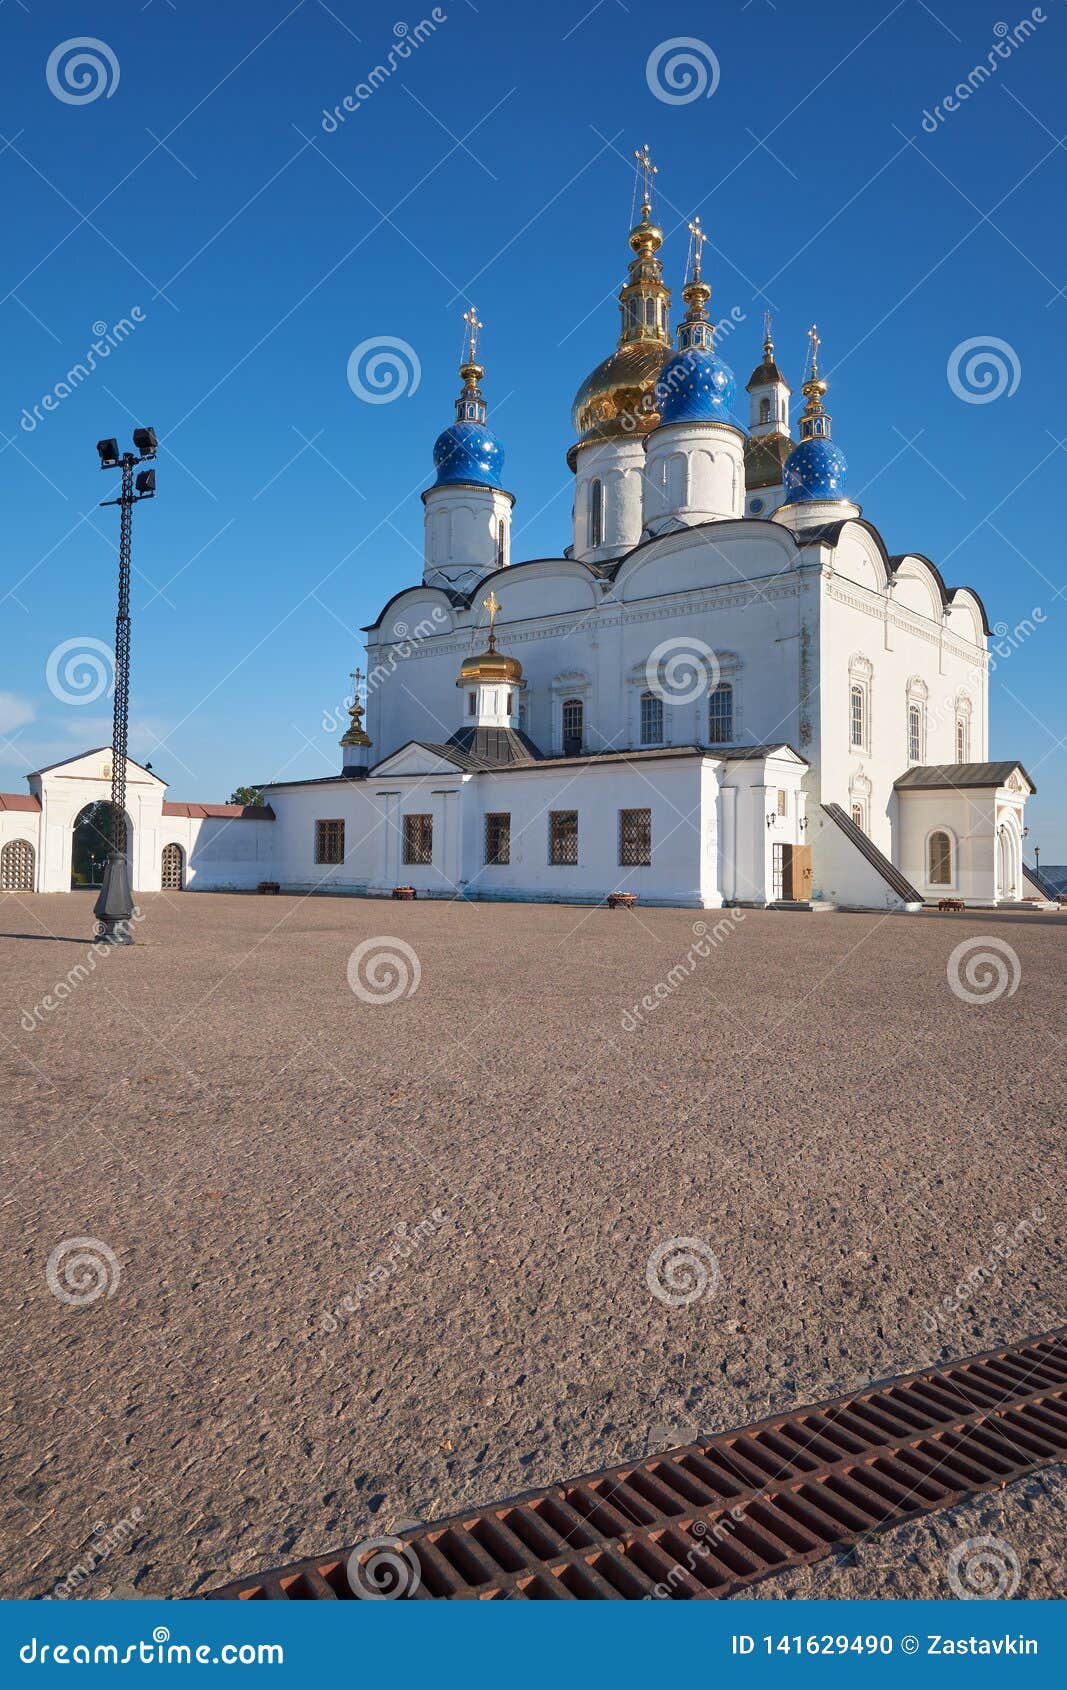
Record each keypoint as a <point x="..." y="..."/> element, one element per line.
<point x="798" y="872"/>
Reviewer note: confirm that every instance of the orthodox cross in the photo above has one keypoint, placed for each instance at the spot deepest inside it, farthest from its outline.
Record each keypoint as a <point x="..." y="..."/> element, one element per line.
<point x="768" y="338"/>
<point x="648" y="170"/>
<point x="815" y="342"/>
<point x="473" y="325"/>
<point x="699" y="237"/>
<point x="492" y="605"/>
<point x="356" y="707"/>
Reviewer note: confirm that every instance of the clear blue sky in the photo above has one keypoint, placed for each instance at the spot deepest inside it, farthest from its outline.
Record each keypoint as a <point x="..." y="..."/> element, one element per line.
<point x="494" y="165"/>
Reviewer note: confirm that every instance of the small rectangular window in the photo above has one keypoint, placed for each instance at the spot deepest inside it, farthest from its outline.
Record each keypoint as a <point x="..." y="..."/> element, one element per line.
<point x="418" y="840"/>
<point x="857" y="814"/>
<point x="472" y="704"/>
<point x="330" y="842"/>
<point x="563" y="838"/>
<point x="721" y="714"/>
<point x="783" y="802"/>
<point x="498" y="837"/>
<point x="635" y="838"/>
<point x="961" y="741"/>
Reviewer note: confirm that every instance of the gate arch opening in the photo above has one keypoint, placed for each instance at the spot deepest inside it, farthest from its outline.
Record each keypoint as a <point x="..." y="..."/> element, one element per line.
<point x="91" y="844"/>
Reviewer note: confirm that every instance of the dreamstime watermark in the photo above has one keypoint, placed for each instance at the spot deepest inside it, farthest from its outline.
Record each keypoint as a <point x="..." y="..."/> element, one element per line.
<point x="407" y="640"/>
<point x="81" y="670"/>
<point x="383" y="1569"/>
<point x="105" y="1540"/>
<point x="383" y="969"/>
<point x="984" y="1569"/>
<point x="705" y="939"/>
<point x="704" y="1535"/>
<point x="82" y="1270"/>
<point x="682" y="70"/>
<point x="983" y="369"/>
<point x="407" y="1241"/>
<point x="81" y="70"/>
<point x="681" y="669"/>
<point x="33" y="1018"/>
<point x="104" y="343"/>
<point x="1008" y="41"/>
<point x="681" y="1271"/>
<point x="983" y="969"/>
<point x="383" y="368"/>
<point x="987" y="1272"/>
<point x="407" y="41"/>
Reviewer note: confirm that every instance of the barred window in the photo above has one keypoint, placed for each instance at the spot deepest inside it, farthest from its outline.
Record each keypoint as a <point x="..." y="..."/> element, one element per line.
<point x="330" y="842"/>
<point x="651" y="719"/>
<point x="418" y="839"/>
<point x="498" y="837"/>
<point x="635" y="838"/>
<point x="563" y="837"/>
<point x="721" y="714"/>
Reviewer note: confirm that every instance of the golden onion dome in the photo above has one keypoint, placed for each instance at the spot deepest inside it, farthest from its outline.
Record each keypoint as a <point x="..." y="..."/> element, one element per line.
<point x="490" y="665"/>
<point x="618" y="398"/>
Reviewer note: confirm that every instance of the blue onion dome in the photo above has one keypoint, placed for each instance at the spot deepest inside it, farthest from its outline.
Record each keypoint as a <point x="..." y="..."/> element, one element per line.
<point x="815" y="469"/>
<point x="695" y="385"/>
<point x="468" y="452"/>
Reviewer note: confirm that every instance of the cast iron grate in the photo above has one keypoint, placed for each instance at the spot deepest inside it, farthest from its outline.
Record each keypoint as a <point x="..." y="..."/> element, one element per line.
<point x="712" y="1517"/>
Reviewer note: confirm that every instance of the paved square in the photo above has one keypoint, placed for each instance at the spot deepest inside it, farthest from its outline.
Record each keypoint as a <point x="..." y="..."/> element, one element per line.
<point x="357" y="1254"/>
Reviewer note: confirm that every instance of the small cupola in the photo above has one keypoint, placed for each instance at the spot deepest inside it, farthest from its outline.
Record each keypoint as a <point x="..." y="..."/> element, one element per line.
<point x="490" y="682"/>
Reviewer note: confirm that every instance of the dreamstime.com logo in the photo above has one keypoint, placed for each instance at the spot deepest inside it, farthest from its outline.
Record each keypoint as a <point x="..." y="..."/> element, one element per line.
<point x="383" y="1569"/>
<point x="383" y="969"/>
<point x="383" y="368"/>
<point x="81" y="70"/>
<point x="406" y="40"/>
<point x="81" y="670"/>
<point x="155" y="1651"/>
<point x="983" y="969"/>
<point x="681" y="670"/>
<point x="82" y="1270"/>
<point x="984" y="1569"/>
<point x="983" y="369"/>
<point x="681" y="1271"/>
<point x="682" y="70"/>
<point x="106" y="340"/>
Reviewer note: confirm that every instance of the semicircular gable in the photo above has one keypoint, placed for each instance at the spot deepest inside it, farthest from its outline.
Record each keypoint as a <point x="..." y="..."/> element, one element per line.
<point x="966" y="615"/>
<point x="860" y="556"/>
<point x="546" y="585"/>
<point x="917" y="586"/>
<point x="708" y="554"/>
<point x="428" y="608"/>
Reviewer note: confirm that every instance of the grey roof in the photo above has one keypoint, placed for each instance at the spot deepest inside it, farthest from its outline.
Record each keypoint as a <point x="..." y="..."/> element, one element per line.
<point x="496" y="746"/>
<point x="960" y="775"/>
<point x="765" y="374"/>
<point x="869" y="850"/>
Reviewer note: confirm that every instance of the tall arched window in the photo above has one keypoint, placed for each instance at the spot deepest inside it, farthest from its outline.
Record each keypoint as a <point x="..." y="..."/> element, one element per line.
<point x="857" y="716"/>
<point x="501" y="543"/>
<point x="573" y="726"/>
<point x="721" y="714"/>
<point x="596" y="513"/>
<point x="17" y="866"/>
<point x="651" y="719"/>
<point x="915" y="733"/>
<point x="939" y="863"/>
<point x="764" y="410"/>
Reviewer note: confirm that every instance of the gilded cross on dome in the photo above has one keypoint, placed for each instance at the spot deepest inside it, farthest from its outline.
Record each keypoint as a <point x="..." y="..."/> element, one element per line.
<point x="492" y="605"/>
<point x="473" y="325"/>
<point x="648" y="170"/>
<point x="815" y="343"/>
<point x="699" y="237"/>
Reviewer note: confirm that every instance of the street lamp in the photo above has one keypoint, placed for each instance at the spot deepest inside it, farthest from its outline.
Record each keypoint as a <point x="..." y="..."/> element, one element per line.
<point x="114" y="907"/>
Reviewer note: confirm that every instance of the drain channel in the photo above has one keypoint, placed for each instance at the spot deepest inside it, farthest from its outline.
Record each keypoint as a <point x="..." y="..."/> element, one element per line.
<point x="711" y="1517"/>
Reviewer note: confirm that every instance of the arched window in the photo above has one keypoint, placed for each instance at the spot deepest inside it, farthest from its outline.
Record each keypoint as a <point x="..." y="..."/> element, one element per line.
<point x="915" y="733"/>
<point x="939" y="860"/>
<point x="16" y="866"/>
<point x="651" y="719"/>
<point x="857" y="716"/>
<point x="764" y="410"/>
<point x="573" y="726"/>
<point x="501" y="543"/>
<point x="596" y="513"/>
<point x="962" y="747"/>
<point x="650" y="313"/>
<point x="857" y="814"/>
<point x="172" y="875"/>
<point x="721" y="714"/>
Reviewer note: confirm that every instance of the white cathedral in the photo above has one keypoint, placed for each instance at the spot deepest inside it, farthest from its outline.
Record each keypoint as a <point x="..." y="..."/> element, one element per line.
<point x="725" y="691"/>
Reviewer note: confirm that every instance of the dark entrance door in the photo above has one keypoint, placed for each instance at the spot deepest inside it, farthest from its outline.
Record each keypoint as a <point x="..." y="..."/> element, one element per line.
<point x="92" y="838"/>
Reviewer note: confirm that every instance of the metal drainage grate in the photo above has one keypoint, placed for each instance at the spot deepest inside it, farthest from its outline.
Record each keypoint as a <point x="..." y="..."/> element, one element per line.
<point x="708" y="1519"/>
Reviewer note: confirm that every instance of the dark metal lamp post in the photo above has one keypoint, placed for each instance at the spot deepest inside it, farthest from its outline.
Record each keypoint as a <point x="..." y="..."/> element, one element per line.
<point x="114" y="907"/>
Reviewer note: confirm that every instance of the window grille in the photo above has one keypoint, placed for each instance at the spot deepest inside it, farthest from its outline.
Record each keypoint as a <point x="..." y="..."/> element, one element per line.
<point x="563" y="838"/>
<point x="330" y="842"/>
<point x="498" y="838"/>
<point x="418" y="840"/>
<point x="635" y="838"/>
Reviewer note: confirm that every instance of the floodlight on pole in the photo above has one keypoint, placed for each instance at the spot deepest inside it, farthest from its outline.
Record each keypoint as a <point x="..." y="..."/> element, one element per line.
<point x="114" y="907"/>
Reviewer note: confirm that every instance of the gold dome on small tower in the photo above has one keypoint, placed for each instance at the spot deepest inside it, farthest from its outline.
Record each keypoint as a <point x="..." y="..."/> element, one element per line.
<point x="618" y="397"/>
<point x="490" y="664"/>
